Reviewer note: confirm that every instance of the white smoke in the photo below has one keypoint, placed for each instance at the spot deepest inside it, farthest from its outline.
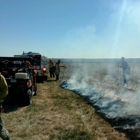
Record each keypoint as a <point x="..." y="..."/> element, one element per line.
<point x="99" y="85"/>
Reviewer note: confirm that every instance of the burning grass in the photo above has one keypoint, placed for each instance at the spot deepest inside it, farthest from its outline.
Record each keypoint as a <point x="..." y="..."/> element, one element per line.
<point x="58" y="114"/>
<point x="104" y="90"/>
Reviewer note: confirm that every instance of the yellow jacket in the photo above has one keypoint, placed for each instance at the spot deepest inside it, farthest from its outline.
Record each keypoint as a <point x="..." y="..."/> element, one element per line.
<point x="3" y="88"/>
<point x="51" y="64"/>
<point x="57" y="67"/>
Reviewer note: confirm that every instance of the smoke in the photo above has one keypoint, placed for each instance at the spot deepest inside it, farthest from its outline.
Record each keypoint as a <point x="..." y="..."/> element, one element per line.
<point x="98" y="84"/>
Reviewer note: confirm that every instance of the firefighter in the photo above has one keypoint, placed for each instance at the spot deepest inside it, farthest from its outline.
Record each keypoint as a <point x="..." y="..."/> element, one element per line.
<point x="51" y="68"/>
<point x="4" y="134"/>
<point x="57" y="69"/>
<point x="126" y="70"/>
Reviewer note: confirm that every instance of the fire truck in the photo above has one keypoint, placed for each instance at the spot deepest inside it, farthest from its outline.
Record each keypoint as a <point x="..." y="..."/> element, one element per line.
<point x="21" y="79"/>
<point x="41" y="70"/>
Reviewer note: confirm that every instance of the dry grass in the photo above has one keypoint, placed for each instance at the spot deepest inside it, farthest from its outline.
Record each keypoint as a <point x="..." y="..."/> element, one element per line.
<point x="58" y="114"/>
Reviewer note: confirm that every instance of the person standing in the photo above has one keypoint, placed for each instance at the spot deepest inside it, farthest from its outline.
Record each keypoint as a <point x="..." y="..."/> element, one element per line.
<point x="4" y="134"/>
<point x="57" y="69"/>
<point x="126" y="70"/>
<point x="51" y="68"/>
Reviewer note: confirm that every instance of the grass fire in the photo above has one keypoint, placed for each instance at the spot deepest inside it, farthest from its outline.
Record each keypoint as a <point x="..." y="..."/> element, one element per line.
<point x="88" y="104"/>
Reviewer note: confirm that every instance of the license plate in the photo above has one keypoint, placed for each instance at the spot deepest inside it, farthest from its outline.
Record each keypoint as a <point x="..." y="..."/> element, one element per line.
<point x="13" y="80"/>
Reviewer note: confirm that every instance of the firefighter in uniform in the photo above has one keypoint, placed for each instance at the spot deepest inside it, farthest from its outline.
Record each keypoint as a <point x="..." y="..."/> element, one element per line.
<point x="57" y="69"/>
<point x="51" y="68"/>
<point x="126" y="71"/>
<point x="4" y="134"/>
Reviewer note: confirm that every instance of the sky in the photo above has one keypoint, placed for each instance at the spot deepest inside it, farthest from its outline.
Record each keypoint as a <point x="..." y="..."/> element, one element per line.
<point x="70" y="28"/>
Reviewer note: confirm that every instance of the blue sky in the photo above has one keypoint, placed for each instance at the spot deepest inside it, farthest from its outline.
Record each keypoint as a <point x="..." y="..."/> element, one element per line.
<point x="70" y="28"/>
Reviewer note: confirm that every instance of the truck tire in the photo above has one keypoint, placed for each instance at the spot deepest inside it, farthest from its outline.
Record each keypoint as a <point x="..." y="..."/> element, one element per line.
<point x="27" y="99"/>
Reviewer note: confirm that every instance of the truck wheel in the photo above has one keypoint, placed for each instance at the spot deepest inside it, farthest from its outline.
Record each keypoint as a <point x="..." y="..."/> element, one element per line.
<point x="27" y="100"/>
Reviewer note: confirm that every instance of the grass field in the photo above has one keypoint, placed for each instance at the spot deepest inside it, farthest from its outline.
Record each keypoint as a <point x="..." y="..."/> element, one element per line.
<point x="60" y="114"/>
